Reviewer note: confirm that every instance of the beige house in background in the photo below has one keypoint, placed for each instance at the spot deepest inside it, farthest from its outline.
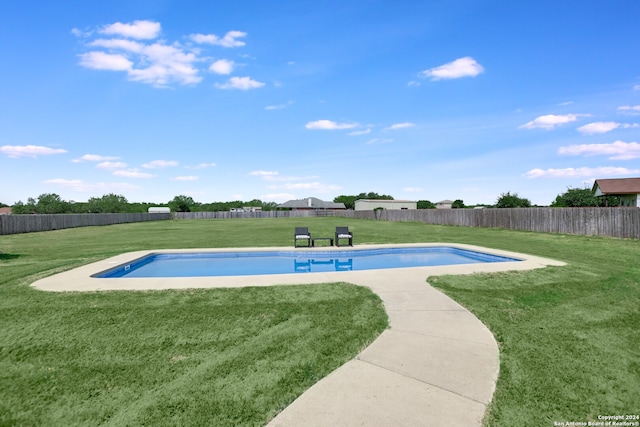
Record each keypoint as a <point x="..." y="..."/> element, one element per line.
<point x="444" y="204"/>
<point x="371" y="204"/>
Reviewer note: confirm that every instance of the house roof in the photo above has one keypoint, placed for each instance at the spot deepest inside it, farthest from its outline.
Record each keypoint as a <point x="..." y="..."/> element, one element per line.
<point x="445" y="202"/>
<point x="311" y="203"/>
<point x="5" y="211"/>
<point x="617" y="186"/>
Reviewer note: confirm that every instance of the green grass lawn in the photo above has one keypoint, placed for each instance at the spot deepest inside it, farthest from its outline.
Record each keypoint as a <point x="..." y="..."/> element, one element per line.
<point x="569" y="336"/>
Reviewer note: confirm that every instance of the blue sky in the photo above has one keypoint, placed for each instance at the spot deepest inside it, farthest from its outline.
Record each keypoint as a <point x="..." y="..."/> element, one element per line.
<point x="279" y="100"/>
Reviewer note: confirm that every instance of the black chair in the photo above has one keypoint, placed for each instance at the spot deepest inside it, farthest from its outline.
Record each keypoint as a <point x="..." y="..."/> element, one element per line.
<point x="343" y="233"/>
<point x="301" y="234"/>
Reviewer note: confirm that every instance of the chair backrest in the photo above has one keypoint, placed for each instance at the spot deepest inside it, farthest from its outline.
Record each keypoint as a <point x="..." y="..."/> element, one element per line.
<point x="342" y="230"/>
<point x="302" y="230"/>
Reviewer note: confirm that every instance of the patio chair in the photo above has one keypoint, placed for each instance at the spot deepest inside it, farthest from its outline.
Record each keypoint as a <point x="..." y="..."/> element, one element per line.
<point x="301" y="234"/>
<point x="343" y="233"/>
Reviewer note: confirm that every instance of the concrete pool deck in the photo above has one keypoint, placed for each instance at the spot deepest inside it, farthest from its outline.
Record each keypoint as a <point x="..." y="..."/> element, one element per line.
<point x="436" y="364"/>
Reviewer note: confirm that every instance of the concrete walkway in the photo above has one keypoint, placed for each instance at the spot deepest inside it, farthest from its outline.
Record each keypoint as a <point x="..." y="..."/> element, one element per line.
<point x="437" y="364"/>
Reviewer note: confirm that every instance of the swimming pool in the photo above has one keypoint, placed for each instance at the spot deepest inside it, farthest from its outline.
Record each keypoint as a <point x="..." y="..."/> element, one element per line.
<point x="206" y="264"/>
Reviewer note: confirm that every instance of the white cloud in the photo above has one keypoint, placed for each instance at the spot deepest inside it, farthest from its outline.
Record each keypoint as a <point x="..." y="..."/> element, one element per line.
<point x="330" y="125"/>
<point x="161" y="76"/>
<point x="360" y="132"/>
<point x="222" y="66"/>
<point x="93" y="158"/>
<point x="307" y="186"/>
<point x="185" y="178"/>
<point x="629" y="109"/>
<point x="15" y="151"/>
<point x="111" y="165"/>
<point x="551" y="121"/>
<point x="229" y="39"/>
<point x="85" y="187"/>
<point x="277" y="197"/>
<point x="80" y="33"/>
<point x="167" y="64"/>
<point x="604" y="127"/>
<point x="379" y="141"/>
<point x="105" y="61"/>
<point x="580" y="172"/>
<point x="203" y="166"/>
<point x="157" y="63"/>
<point x="315" y="186"/>
<point x="598" y="127"/>
<point x="278" y="107"/>
<point x="136" y="30"/>
<point x="264" y="174"/>
<point x="242" y="83"/>
<point x="274" y="176"/>
<point x="119" y="44"/>
<point x="462" y="67"/>
<point x="132" y="173"/>
<point x="618" y="150"/>
<point x="157" y="164"/>
<point x="636" y="87"/>
<point x="400" y="126"/>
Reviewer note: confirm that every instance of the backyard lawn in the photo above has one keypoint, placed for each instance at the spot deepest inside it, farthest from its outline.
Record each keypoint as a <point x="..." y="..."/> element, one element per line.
<point x="569" y="336"/>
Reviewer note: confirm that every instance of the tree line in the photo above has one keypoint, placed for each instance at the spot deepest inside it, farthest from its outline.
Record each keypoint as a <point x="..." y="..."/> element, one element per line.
<point x="51" y="203"/>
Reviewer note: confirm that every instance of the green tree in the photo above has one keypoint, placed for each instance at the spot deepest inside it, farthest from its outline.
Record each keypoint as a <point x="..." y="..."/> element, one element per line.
<point x="29" y="207"/>
<point x="426" y="204"/>
<point x="141" y="206"/>
<point x="350" y="201"/>
<point x="109" y="203"/>
<point x="78" y="208"/>
<point x="51" y="203"/>
<point x="182" y="203"/>
<point x="576" y="197"/>
<point x="508" y="200"/>
<point x="457" y="204"/>
<point x="20" y="208"/>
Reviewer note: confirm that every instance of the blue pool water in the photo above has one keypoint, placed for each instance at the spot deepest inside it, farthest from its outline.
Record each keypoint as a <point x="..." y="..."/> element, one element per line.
<point x="285" y="262"/>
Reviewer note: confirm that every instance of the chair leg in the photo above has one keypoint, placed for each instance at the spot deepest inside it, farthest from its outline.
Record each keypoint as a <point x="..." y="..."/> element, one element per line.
<point x="295" y="243"/>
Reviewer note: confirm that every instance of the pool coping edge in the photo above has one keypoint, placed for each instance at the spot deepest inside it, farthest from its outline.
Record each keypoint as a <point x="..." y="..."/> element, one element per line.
<point x="79" y="279"/>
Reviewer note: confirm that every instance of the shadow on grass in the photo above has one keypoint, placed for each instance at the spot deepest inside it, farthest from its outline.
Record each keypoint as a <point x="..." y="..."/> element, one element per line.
<point x="7" y="257"/>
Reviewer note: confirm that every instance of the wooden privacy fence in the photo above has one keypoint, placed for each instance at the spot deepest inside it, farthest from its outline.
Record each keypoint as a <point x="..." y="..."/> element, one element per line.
<point x="262" y="214"/>
<point x="621" y="222"/>
<point x="14" y="224"/>
<point x="612" y="222"/>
